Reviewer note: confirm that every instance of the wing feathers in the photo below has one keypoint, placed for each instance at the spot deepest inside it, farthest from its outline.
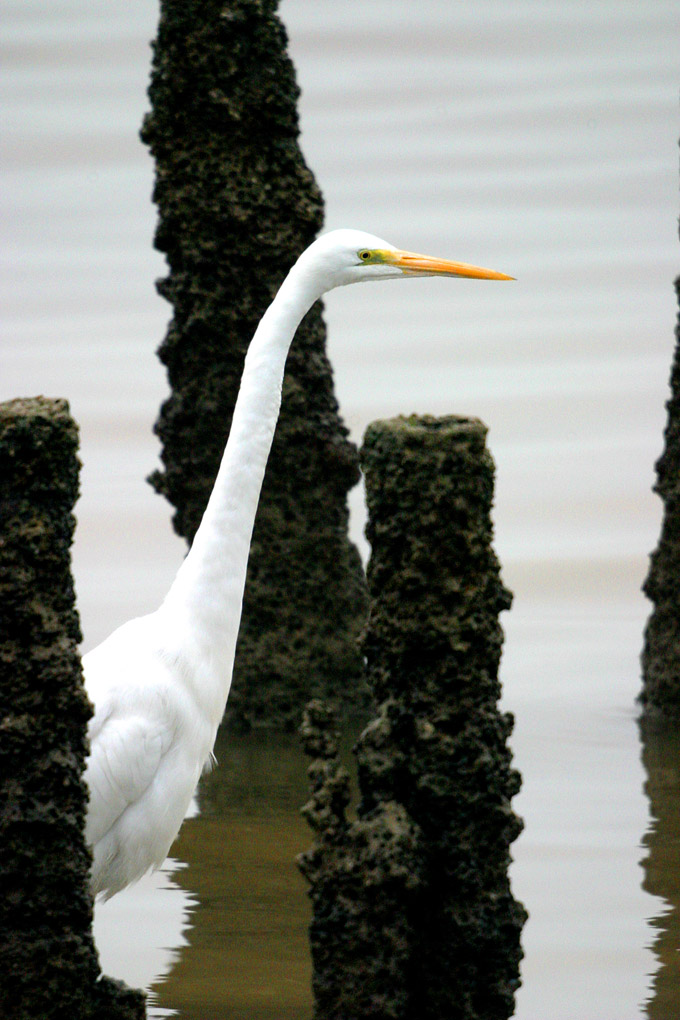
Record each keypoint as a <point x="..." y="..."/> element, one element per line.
<point x="125" y="756"/>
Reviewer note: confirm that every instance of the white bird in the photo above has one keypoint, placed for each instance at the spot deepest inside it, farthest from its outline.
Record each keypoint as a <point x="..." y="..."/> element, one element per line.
<point x="159" y="684"/>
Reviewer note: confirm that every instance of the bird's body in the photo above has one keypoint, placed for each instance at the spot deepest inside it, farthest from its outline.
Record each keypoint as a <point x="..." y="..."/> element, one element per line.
<point x="159" y="684"/>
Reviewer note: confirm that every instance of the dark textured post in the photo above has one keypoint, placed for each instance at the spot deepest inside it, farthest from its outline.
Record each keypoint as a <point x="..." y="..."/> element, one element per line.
<point x="237" y="204"/>
<point x="661" y="653"/>
<point x="365" y="883"/>
<point x="49" y="963"/>
<point x="429" y="853"/>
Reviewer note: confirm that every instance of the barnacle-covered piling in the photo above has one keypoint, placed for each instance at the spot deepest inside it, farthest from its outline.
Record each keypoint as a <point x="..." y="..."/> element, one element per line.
<point x="237" y="204"/>
<point x="661" y="653"/>
<point x="413" y="912"/>
<point x="49" y="963"/>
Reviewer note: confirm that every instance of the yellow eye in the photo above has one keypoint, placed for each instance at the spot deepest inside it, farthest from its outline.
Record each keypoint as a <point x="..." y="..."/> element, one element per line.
<point x="364" y="255"/>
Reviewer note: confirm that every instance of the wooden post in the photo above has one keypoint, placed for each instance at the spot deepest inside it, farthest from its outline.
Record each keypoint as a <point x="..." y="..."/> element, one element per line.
<point x="661" y="654"/>
<point x="413" y="913"/>
<point x="237" y="204"/>
<point x="50" y="968"/>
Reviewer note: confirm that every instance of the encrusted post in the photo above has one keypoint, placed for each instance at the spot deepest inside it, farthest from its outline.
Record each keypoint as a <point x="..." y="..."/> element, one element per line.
<point x="419" y="882"/>
<point x="365" y="880"/>
<point x="49" y="963"/>
<point x="661" y="654"/>
<point x="237" y="205"/>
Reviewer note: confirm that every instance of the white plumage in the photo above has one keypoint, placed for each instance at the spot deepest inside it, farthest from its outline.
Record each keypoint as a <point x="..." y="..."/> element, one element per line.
<point x="159" y="684"/>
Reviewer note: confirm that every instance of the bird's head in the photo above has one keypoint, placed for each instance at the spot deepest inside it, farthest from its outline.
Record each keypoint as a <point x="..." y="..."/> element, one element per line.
<point x="341" y="257"/>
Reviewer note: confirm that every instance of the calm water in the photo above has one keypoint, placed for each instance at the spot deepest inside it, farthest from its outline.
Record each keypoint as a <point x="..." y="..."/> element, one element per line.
<point x="539" y="139"/>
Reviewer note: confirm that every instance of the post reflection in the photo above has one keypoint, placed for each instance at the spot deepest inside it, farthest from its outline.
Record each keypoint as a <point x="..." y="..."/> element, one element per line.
<point x="661" y="865"/>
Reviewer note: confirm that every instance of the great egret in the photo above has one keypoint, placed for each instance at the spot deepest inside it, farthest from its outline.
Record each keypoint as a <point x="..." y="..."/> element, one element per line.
<point x="159" y="684"/>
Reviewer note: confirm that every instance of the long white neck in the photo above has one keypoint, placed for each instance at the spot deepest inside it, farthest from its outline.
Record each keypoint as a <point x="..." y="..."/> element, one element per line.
<point x="204" y="601"/>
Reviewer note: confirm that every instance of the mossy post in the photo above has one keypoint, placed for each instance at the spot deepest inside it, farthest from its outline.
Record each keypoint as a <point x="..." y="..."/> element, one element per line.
<point x="413" y="915"/>
<point x="49" y="963"/>
<point x="237" y="205"/>
<point x="661" y="653"/>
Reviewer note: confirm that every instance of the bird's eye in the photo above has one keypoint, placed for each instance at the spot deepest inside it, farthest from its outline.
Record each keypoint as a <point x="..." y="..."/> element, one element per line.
<point x="364" y="256"/>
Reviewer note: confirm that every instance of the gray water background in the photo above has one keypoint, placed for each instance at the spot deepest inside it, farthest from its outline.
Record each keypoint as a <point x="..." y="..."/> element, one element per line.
<point x="535" y="138"/>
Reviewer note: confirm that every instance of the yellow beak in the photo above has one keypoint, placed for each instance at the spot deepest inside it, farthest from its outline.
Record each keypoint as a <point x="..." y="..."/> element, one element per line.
<point x="413" y="264"/>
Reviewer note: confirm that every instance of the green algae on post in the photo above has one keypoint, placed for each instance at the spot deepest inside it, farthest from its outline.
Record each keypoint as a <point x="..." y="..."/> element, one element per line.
<point x="237" y="204"/>
<point x="50" y="965"/>
<point x="413" y="915"/>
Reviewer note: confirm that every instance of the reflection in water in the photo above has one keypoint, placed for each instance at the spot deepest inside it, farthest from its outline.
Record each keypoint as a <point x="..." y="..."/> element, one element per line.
<point x="140" y="932"/>
<point x="661" y="759"/>
<point x="247" y="954"/>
